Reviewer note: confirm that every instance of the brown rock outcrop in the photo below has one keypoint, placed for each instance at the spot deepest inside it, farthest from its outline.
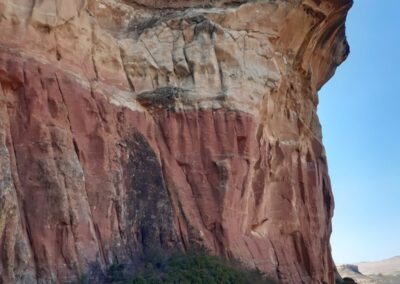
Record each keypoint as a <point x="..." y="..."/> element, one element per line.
<point x="128" y="125"/>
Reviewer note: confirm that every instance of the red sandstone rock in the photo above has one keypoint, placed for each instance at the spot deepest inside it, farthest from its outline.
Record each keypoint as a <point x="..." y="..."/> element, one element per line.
<point x="127" y="126"/>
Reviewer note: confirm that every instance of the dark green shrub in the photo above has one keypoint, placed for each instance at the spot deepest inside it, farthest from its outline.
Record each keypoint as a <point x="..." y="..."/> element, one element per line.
<point x="115" y="273"/>
<point x="348" y="280"/>
<point x="198" y="269"/>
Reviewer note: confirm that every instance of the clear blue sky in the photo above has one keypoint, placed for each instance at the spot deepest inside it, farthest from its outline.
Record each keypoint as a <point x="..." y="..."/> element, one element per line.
<point x="360" y="116"/>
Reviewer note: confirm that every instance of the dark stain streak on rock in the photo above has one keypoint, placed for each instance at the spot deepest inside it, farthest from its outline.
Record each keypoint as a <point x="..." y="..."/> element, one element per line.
<point x="148" y="205"/>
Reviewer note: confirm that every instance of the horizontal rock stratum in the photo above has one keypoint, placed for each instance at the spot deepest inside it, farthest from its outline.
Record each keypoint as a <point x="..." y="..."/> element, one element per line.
<point x="129" y="125"/>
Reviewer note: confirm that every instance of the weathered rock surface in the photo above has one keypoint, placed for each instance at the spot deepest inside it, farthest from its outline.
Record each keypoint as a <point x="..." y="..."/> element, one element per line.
<point x="128" y="125"/>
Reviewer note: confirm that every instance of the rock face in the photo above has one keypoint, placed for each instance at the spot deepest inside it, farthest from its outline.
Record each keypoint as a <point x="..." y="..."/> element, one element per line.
<point x="129" y="125"/>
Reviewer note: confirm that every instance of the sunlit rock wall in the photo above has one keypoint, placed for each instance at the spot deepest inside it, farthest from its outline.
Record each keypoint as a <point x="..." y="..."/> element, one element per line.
<point x="132" y="125"/>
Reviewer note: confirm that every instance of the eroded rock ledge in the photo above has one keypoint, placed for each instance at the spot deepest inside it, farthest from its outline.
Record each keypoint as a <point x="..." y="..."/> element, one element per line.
<point x="129" y="125"/>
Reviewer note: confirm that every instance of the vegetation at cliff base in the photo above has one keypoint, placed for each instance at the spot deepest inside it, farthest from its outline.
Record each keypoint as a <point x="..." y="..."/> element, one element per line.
<point x="347" y="280"/>
<point x="190" y="269"/>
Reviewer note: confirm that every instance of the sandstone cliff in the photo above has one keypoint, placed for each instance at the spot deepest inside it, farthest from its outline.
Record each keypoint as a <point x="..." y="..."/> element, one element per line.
<point x="127" y="125"/>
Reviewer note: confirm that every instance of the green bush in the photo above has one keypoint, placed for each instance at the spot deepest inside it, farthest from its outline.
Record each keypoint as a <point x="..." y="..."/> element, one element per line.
<point x="198" y="269"/>
<point x="115" y="273"/>
<point x="348" y="280"/>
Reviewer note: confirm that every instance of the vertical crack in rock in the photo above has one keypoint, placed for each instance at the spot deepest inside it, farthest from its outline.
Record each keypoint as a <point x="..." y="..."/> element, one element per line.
<point x="78" y="156"/>
<point x="19" y="91"/>
<point x="278" y="272"/>
<point x="132" y="87"/>
<point x="10" y="208"/>
<point x="68" y="116"/>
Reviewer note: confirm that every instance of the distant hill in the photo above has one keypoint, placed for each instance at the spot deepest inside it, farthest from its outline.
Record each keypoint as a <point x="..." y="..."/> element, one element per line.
<point x="375" y="272"/>
<point x="388" y="266"/>
<point x="352" y="271"/>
